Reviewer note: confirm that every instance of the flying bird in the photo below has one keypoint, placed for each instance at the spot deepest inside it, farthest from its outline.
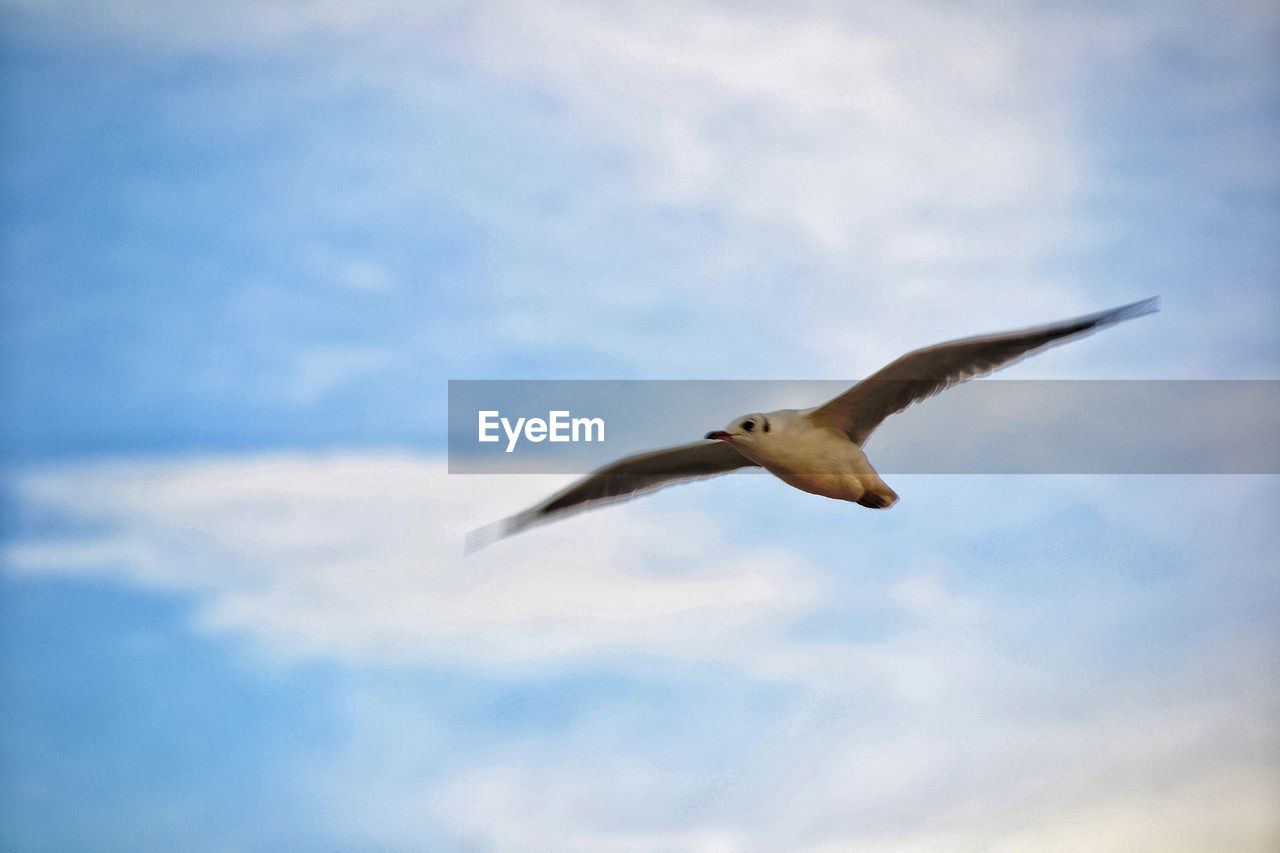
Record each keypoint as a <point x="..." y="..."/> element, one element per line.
<point x="817" y="450"/>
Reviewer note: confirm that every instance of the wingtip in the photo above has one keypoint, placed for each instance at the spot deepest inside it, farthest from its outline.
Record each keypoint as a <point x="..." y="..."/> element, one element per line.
<point x="1141" y="308"/>
<point x="483" y="537"/>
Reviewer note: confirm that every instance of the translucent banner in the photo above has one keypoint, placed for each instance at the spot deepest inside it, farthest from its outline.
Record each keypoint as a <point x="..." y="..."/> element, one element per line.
<point x="989" y="426"/>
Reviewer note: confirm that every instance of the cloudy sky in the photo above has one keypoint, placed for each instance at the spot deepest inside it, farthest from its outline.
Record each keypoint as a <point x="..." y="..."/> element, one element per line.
<point x="246" y="244"/>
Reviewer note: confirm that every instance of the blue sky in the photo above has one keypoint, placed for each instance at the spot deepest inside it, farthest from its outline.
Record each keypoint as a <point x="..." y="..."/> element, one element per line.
<point x="246" y="245"/>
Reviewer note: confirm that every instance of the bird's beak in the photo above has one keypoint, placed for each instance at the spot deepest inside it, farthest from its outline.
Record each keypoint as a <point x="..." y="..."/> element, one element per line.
<point x="719" y="435"/>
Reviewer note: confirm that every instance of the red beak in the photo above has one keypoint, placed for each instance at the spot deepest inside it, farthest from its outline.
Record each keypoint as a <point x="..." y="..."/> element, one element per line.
<point x="720" y="435"/>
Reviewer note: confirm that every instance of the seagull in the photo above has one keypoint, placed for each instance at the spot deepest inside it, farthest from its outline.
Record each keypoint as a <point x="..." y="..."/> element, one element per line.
<point x="817" y="450"/>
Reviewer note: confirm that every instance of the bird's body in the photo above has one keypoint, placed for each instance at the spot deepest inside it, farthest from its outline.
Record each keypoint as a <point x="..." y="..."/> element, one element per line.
<point x="815" y="459"/>
<point x="818" y="450"/>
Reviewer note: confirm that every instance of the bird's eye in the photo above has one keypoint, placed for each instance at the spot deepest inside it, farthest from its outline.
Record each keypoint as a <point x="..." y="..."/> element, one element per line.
<point x="748" y="425"/>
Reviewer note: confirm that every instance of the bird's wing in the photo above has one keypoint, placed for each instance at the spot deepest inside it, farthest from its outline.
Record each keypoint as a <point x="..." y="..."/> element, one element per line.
<point x="619" y="481"/>
<point x="925" y="372"/>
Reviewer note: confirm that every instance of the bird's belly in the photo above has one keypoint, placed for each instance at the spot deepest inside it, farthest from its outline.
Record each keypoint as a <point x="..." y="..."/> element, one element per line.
<point x="830" y="469"/>
<point x="817" y="461"/>
<point x="842" y="487"/>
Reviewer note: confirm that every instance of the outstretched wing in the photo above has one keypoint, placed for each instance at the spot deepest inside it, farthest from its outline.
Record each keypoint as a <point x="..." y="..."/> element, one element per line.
<point x="621" y="481"/>
<point x="925" y="372"/>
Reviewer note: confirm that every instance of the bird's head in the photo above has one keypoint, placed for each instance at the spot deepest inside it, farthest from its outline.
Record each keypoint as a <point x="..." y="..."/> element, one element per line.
<point x="748" y="430"/>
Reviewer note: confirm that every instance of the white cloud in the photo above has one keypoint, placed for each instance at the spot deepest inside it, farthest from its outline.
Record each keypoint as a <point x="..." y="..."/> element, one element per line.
<point x="895" y="151"/>
<point x="360" y="558"/>
<point x="905" y="163"/>
<point x="880" y="177"/>
<point x="1143" y="779"/>
<point x="821" y="124"/>
<point x="945" y="732"/>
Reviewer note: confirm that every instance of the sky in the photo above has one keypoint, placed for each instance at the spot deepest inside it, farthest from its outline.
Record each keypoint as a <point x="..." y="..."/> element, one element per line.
<point x="246" y="245"/>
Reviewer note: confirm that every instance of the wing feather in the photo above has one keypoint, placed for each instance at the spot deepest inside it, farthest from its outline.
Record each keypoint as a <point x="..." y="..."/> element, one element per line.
<point x="619" y="481"/>
<point x="923" y="373"/>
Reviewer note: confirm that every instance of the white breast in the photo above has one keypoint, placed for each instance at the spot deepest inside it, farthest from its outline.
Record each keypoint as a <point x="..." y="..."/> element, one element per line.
<point x="813" y="459"/>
